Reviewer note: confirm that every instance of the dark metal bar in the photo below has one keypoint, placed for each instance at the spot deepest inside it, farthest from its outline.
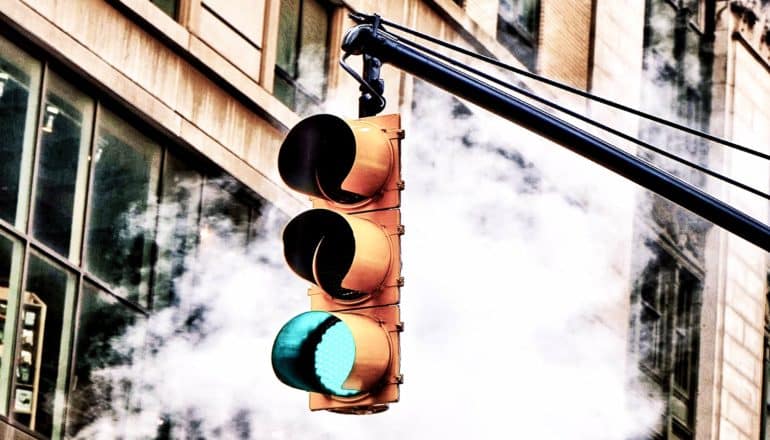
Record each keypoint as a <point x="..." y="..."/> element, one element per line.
<point x="586" y="119"/>
<point x="573" y="90"/>
<point x="371" y="95"/>
<point x="362" y="40"/>
<point x="368" y="104"/>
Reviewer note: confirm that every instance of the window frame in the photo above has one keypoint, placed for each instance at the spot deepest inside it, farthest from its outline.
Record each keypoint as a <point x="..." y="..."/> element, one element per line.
<point x="294" y="83"/>
<point x="669" y="268"/>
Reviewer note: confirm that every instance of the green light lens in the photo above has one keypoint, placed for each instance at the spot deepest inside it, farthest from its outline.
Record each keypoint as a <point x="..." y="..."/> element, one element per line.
<point x="334" y="358"/>
<point x="315" y="351"/>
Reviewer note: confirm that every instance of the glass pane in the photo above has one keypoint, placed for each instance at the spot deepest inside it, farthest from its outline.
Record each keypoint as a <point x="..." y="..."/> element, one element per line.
<point x="288" y="28"/>
<point x="170" y="7"/>
<point x="121" y="222"/>
<point x="11" y="256"/>
<point x="223" y="214"/>
<point x="177" y="226"/>
<point x="522" y="14"/>
<point x="19" y="89"/>
<point x="517" y="23"/>
<point x="62" y="167"/>
<point x="313" y="48"/>
<point x="42" y="362"/>
<point x="102" y="320"/>
<point x="284" y="91"/>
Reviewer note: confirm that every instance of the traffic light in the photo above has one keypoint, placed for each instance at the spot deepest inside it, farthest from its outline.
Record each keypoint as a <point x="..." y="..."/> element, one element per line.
<point x="346" y="350"/>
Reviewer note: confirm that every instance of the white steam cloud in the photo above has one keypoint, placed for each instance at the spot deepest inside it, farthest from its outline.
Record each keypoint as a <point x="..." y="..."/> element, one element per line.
<point x="516" y="259"/>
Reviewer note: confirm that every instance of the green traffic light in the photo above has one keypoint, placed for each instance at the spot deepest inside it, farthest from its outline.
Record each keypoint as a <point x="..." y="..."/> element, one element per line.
<point x="315" y="351"/>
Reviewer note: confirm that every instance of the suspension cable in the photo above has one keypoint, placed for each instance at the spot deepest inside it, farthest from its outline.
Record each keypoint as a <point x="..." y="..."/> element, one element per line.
<point x="570" y="89"/>
<point x="586" y="119"/>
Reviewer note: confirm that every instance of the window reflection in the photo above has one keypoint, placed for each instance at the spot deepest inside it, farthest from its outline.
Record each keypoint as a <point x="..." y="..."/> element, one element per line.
<point x="177" y="227"/>
<point x="62" y="167"/>
<point x="102" y="319"/>
<point x="42" y="356"/>
<point x="223" y="214"/>
<point x="121" y="223"/>
<point x="665" y="337"/>
<point x="19" y="85"/>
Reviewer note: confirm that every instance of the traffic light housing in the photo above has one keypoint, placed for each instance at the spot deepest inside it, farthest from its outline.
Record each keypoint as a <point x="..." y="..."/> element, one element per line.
<point x="346" y="350"/>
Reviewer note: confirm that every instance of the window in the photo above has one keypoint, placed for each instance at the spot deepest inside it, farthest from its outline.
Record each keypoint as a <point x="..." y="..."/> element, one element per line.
<point x="301" y="62"/>
<point x="65" y="131"/>
<point x="667" y="305"/>
<point x="517" y="23"/>
<point x="98" y="219"/>
<point x="43" y="346"/>
<point x="178" y="220"/>
<point x="223" y="213"/>
<point x="170" y="7"/>
<point x="121" y="223"/>
<point x="19" y="88"/>
<point x="676" y="61"/>
<point x="102" y="318"/>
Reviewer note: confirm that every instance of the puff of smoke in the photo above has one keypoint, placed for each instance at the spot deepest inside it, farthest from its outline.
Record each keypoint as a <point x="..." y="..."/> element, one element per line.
<point x="541" y="238"/>
<point x="201" y="362"/>
<point x="513" y="258"/>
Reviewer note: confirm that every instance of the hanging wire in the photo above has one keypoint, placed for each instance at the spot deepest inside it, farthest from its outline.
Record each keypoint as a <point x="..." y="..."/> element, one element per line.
<point x="641" y="171"/>
<point x="586" y="119"/>
<point x="535" y="97"/>
<point x="570" y="89"/>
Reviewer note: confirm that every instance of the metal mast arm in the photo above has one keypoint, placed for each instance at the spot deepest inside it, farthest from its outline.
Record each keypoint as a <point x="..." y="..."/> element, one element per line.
<point x="386" y="47"/>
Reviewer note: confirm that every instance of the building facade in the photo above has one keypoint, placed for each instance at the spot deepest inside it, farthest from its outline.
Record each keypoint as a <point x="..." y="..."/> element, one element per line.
<point x="185" y="102"/>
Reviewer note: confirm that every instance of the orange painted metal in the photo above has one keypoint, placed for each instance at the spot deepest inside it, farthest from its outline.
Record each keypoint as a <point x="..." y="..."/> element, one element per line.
<point x="378" y="138"/>
<point x="373" y="159"/>
<point x="387" y="291"/>
<point x="372" y="257"/>
<point x="372" y="351"/>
